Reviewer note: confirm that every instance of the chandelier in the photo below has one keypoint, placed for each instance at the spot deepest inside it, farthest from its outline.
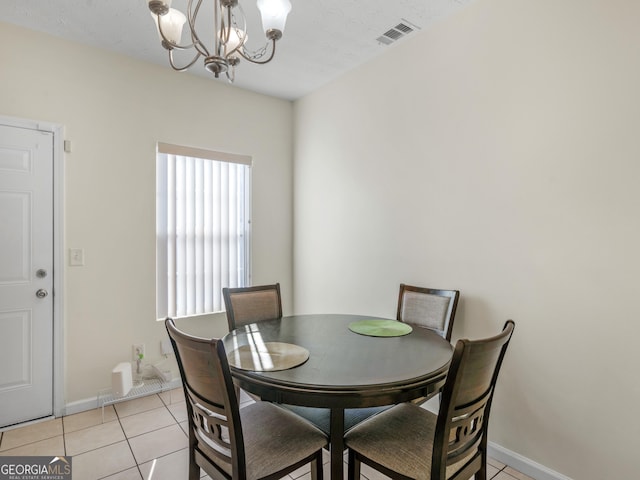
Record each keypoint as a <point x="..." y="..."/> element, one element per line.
<point x="229" y="33"/>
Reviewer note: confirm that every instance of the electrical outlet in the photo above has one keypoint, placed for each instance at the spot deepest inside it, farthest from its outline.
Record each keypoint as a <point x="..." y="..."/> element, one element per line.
<point x="137" y="350"/>
<point x="165" y="347"/>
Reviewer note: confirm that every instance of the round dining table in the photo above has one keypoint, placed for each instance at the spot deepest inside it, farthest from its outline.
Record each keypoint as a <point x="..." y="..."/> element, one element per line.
<point x="341" y="369"/>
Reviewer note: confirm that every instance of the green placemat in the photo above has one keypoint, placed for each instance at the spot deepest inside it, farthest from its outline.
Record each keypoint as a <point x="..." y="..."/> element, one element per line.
<point x="380" y="328"/>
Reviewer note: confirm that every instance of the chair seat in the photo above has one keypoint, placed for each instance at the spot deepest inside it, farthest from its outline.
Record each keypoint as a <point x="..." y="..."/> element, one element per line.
<point x="400" y="439"/>
<point x="275" y="438"/>
<point x="321" y="417"/>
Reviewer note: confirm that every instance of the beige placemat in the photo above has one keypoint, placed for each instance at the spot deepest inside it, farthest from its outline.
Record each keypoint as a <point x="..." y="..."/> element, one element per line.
<point x="268" y="357"/>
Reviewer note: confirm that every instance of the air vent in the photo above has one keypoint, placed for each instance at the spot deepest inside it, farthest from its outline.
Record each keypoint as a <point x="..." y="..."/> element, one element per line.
<point x="396" y="33"/>
<point x="393" y="34"/>
<point x="404" y="28"/>
<point x="385" y="40"/>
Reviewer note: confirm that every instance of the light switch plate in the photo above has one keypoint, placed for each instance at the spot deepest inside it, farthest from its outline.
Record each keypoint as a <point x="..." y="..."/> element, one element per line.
<point x="76" y="257"/>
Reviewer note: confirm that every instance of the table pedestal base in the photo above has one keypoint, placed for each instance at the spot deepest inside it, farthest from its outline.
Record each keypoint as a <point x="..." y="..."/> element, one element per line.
<point x="336" y="440"/>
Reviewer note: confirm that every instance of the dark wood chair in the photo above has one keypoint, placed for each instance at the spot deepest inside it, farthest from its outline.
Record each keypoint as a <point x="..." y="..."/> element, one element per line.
<point x="252" y="304"/>
<point x="428" y="307"/>
<point x="409" y="442"/>
<point x="246" y="305"/>
<point x="259" y="441"/>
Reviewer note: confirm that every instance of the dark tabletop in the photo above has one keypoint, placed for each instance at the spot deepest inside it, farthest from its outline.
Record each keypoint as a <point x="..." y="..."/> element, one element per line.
<point x="344" y="369"/>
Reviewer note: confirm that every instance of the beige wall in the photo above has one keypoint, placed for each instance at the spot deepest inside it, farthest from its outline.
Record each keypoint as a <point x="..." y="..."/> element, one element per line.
<point x="497" y="153"/>
<point x="114" y="110"/>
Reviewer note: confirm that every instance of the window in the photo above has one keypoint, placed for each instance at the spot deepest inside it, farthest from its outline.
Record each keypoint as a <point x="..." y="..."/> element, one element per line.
<point x="202" y="228"/>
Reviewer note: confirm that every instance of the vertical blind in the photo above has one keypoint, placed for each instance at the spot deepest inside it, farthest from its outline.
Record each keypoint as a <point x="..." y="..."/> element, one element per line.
<point x="202" y="224"/>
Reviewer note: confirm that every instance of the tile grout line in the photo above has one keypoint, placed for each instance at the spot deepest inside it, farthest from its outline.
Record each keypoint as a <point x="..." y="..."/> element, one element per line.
<point x="29" y="443"/>
<point x="129" y="443"/>
<point x="64" y="437"/>
<point x="503" y="470"/>
<point x="126" y="439"/>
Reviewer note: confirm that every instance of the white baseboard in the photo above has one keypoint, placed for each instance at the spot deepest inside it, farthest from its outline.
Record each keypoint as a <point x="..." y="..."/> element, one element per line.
<point x="80" y="406"/>
<point x="523" y="464"/>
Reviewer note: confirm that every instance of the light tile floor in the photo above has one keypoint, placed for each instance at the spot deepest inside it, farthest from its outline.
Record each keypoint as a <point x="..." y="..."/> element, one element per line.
<point x="140" y="439"/>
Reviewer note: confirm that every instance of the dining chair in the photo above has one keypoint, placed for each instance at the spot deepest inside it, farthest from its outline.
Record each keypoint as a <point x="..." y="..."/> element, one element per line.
<point x="246" y="305"/>
<point x="409" y="442"/>
<point x="428" y="307"/>
<point x="258" y="441"/>
<point x="252" y="304"/>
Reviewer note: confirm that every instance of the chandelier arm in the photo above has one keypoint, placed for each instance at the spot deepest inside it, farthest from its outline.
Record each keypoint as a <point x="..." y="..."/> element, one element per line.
<point x="192" y="15"/>
<point x="260" y="62"/>
<point x="216" y="28"/>
<point x="225" y="28"/>
<point x="182" y="69"/>
<point x="201" y="49"/>
<point x="243" y="18"/>
<point x="221" y="31"/>
<point x="231" y="76"/>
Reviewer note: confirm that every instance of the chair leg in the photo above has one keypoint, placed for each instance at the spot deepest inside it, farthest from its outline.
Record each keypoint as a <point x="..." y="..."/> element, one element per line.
<point x="194" y="468"/>
<point x="316" y="467"/>
<point x="353" y="468"/>
<point x="482" y="473"/>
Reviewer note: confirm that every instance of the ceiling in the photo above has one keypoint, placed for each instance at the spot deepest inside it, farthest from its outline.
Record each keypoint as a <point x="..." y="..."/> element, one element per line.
<point x="322" y="39"/>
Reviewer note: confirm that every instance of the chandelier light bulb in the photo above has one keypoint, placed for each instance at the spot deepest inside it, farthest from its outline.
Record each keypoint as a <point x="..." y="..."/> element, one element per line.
<point x="274" y="15"/>
<point x="236" y="39"/>
<point x="171" y="24"/>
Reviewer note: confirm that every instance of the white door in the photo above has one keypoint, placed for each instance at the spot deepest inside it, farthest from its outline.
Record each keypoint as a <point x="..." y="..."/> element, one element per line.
<point x="26" y="274"/>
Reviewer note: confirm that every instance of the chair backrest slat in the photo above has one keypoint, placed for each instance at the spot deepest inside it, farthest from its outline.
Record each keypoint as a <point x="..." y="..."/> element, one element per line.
<point x="212" y="429"/>
<point x="428" y="307"/>
<point x="252" y="304"/>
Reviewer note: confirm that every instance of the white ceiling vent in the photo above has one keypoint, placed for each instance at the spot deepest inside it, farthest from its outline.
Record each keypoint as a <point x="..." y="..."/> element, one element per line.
<point x="394" y="34"/>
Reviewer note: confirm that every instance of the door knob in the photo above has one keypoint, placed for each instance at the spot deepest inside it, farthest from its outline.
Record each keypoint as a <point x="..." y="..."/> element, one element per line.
<point x="42" y="293"/>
